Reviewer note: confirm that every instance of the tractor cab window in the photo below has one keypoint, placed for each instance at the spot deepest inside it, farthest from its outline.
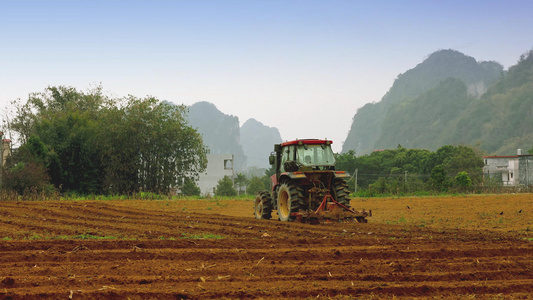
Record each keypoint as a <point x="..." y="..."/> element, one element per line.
<point x="288" y="154"/>
<point x="315" y="155"/>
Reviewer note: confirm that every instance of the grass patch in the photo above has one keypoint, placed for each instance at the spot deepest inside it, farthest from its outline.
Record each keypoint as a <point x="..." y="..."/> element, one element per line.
<point x="167" y="239"/>
<point x="93" y="237"/>
<point x="35" y="237"/>
<point x="185" y="235"/>
<point x="82" y="237"/>
<point x="401" y="220"/>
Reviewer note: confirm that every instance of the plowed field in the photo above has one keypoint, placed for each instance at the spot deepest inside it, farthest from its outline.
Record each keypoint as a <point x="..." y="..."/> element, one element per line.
<point x="475" y="247"/>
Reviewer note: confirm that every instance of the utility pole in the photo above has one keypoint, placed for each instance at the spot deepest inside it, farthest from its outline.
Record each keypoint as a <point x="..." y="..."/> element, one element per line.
<point x="527" y="174"/>
<point x="356" y="170"/>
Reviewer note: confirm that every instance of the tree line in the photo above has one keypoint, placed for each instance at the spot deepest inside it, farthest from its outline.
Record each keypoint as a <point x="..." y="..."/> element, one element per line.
<point x="401" y="170"/>
<point x="392" y="171"/>
<point x="89" y="143"/>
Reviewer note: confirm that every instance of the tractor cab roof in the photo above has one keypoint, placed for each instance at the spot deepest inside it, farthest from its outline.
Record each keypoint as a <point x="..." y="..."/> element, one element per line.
<point x="307" y="142"/>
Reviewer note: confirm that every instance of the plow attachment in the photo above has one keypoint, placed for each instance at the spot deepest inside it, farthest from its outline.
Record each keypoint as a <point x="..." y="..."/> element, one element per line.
<point x="331" y="209"/>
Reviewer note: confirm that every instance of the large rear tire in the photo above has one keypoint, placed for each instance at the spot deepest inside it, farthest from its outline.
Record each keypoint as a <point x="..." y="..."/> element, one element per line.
<point x="288" y="201"/>
<point x="341" y="191"/>
<point x="263" y="206"/>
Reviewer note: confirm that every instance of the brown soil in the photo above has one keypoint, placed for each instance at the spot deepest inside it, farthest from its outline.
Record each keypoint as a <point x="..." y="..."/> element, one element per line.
<point x="211" y="249"/>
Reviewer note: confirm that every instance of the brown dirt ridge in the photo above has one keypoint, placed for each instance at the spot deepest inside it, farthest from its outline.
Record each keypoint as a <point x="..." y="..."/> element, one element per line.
<point x="437" y="248"/>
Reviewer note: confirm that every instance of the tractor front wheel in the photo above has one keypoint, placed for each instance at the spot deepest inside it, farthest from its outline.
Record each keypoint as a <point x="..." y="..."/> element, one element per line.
<point x="288" y="202"/>
<point x="263" y="206"/>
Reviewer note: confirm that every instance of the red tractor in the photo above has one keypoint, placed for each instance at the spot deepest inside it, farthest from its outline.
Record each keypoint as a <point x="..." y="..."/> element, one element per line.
<point x="306" y="186"/>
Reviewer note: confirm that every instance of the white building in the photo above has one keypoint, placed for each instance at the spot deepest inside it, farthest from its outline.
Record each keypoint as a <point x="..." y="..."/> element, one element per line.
<point x="511" y="170"/>
<point x="218" y="166"/>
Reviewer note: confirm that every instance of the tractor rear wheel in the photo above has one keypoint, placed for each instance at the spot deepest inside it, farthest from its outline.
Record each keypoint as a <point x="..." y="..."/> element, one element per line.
<point x="288" y="201"/>
<point x="341" y="191"/>
<point x="263" y="206"/>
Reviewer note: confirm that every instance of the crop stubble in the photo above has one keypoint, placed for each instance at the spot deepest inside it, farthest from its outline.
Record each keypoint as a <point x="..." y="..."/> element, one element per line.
<point x="452" y="247"/>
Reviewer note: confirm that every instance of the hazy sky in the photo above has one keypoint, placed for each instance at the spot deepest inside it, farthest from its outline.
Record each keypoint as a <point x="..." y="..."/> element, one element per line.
<point x="304" y="67"/>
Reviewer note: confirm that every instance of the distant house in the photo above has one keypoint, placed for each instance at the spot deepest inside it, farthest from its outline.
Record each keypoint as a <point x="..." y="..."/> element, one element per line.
<point x="512" y="170"/>
<point x="218" y="166"/>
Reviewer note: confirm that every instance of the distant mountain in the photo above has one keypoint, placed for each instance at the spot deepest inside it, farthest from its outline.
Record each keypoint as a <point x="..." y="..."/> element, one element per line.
<point x="500" y="122"/>
<point x="370" y="122"/>
<point x="220" y="132"/>
<point x="250" y="144"/>
<point x="258" y="141"/>
<point x="422" y="122"/>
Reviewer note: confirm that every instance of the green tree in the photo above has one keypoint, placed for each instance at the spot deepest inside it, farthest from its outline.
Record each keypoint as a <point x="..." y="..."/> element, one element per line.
<point x="26" y="177"/>
<point x="456" y="159"/>
<point x="72" y="136"/>
<point x="380" y="186"/>
<point x="240" y="182"/>
<point x="530" y="151"/>
<point x="190" y="188"/>
<point x="346" y="161"/>
<point x="27" y="168"/>
<point x="225" y="187"/>
<point x="93" y="144"/>
<point x="255" y="185"/>
<point x="65" y="121"/>
<point x="270" y="171"/>
<point x="463" y="180"/>
<point x="150" y="146"/>
<point x="439" y="180"/>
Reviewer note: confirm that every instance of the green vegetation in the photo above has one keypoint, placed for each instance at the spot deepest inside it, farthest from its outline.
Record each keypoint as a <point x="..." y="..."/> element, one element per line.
<point x="256" y="184"/>
<point x="421" y="122"/>
<point x="92" y="237"/>
<point x="463" y="180"/>
<point x="225" y="187"/>
<point x="401" y="171"/>
<point x="88" y="143"/>
<point x="201" y="236"/>
<point x="451" y="99"/>
<point x="413" y="171"/>
<point x="48" y="236"/>
<point x="240" y="182"/>
<point x="190" y="188"/>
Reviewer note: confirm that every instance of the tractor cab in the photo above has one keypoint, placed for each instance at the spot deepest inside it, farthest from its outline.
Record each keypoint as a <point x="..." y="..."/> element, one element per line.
<point x="303" y="155"/>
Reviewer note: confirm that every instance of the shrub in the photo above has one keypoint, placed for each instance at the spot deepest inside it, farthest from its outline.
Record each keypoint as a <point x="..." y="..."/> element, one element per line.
<point x="463" y="180"/>
<point x="225" y="187"/>
<point x="190" y="188"/>
<point x="24" y="177"/>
